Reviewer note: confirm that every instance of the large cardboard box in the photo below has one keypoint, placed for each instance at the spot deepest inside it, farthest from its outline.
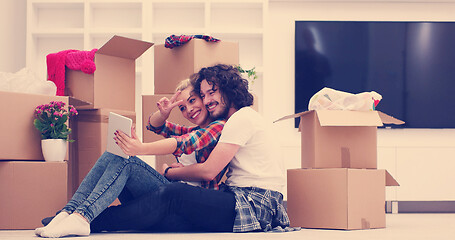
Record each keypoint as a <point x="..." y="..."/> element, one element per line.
<point x="176" y="64"/>
<point x="115" y="75"/>
<point x="338" y="198"/>
<point x="31" y="191"/>
<point x="91" y="139"/>
<point x="20" y="140"/>
<point x="340" y="139"/>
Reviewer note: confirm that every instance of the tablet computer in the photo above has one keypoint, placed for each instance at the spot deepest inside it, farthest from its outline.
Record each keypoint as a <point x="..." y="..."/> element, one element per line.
<point x="121" y="123"/>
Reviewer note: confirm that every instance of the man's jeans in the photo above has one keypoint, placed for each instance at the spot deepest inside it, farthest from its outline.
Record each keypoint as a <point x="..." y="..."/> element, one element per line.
<point x="113" y="177"/>
<point x="175" y="207"/>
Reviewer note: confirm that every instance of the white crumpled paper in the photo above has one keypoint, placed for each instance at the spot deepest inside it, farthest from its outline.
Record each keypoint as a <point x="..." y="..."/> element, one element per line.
<point x="26" y="81"/>
<point x="330" y="99"/>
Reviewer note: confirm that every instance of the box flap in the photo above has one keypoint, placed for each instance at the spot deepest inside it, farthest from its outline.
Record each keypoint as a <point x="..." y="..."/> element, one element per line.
<point x="292" y="116"/>
<point x="102" y="115"/>
<point x="389" y="119"/>
<point x="124" y="47"/>
<point x="389" y="180"/>
<point x="77" y="102"/>
<point x="348" y="118"/>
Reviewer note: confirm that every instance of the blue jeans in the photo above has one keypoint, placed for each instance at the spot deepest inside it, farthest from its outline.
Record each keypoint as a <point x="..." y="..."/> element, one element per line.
<point x="110" y="178"/>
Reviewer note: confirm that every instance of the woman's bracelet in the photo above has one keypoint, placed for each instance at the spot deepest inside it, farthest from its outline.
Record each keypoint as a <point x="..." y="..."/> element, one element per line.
<point x="165" y="171"/>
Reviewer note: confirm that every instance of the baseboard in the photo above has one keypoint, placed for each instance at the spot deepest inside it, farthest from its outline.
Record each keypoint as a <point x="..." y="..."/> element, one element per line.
<point x="420" y="207"/>
<point x="416" y="206"/>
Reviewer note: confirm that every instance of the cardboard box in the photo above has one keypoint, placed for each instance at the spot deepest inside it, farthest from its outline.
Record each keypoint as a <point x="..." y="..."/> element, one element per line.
<point x="340" y="139"/>
<point x="20" y="140"/>
<point x="338" y="198"/>
<point x="176" y="64"/>
<point x="31" y="191"/>
<point x="91" y="139"/>
<point x="115" y="75"/>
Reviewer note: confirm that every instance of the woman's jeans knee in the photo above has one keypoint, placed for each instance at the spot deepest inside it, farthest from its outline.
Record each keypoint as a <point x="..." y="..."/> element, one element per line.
<point x="113" y="177"/>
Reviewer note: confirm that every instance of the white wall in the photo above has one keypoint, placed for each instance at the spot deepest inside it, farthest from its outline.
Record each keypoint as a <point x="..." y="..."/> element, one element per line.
<point x="12" y="30"/>
<point x="418" y="158"/>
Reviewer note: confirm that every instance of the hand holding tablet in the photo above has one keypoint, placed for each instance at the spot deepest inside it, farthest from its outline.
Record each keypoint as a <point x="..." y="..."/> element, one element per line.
<point x="120" y="123"/>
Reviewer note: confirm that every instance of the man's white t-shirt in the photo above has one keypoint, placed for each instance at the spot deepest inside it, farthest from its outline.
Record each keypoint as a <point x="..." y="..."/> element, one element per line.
<point x="255" y="164"/>
<point x="186" y="160"/>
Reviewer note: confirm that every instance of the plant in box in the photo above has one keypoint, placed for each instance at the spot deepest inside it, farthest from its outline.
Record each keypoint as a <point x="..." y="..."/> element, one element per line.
<point x="51" y="120"/>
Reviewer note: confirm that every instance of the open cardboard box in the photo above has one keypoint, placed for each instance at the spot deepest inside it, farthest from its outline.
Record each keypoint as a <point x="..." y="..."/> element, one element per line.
<point x="337" y="198"/>
<point x="31" y="191"/>
<point x="176" y="64"/>
<point x="340" y="139"/>
<point x="20" y="140"/>
<point x="112" y="85"/>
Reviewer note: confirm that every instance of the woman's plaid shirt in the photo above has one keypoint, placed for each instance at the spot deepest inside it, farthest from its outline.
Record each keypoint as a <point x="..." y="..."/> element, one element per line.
<point x="194" y="139"/>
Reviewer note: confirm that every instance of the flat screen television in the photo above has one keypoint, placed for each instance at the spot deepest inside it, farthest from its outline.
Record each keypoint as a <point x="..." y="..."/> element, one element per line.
<point x="411" y="64"/>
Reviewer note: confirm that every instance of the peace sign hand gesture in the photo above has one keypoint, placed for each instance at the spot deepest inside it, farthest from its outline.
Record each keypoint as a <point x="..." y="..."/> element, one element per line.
<point x="166" y="105"/>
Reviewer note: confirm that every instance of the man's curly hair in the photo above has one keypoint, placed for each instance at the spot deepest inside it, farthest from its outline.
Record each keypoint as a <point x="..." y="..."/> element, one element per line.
<point x="233" y="87"/>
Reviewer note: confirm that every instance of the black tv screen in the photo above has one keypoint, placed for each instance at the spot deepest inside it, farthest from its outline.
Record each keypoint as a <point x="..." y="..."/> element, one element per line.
<point x="411" y="64"/>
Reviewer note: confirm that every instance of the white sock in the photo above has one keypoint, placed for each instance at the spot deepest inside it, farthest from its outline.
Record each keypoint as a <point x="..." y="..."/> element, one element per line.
<point x="72" y="225"/>
<point x="58" y="218"/>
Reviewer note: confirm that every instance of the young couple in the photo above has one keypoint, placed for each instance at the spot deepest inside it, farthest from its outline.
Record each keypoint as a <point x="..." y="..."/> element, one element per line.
<point x="249" y="200"/>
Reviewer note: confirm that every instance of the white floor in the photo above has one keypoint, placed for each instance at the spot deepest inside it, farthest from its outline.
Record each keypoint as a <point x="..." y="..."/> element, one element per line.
<point x="399" y="226"/>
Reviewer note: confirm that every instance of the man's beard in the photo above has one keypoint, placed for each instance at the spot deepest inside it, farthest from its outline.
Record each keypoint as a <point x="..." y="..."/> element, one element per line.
<point x="221" y="115"/>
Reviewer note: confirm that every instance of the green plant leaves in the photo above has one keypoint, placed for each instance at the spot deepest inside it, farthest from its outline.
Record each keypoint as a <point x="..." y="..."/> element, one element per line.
<point x="51" y="120"/>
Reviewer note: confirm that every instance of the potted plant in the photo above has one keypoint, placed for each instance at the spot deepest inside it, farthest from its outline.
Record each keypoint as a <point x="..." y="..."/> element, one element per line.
<point x="250" y="74"/>
<point x="51" y="120"/>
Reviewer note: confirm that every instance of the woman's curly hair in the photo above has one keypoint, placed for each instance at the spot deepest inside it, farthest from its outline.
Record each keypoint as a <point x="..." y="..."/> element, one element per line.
<point x="233" y="87"/>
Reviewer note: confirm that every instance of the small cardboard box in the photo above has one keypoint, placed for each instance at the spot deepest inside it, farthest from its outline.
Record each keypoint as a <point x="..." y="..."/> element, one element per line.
<point x="176" y="64"/>
<point x="338" y="198"/>
<point x="31" y="191"/>
<point x="115" y="75"/>
<point x="20" y="140"/>
<point x="91" y="139"/>
<point x="340" y="139"/>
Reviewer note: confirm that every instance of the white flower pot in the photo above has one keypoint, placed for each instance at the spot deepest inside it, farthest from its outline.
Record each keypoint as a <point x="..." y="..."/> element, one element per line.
<point x="54" y="150"/>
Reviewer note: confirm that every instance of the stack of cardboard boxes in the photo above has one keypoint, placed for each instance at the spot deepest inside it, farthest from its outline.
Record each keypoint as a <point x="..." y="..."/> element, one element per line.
<point x="111" y="88"/>
<point x="30" y="188"/>
<point x="177" y="64"/>
<point x="338" y="185"/>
